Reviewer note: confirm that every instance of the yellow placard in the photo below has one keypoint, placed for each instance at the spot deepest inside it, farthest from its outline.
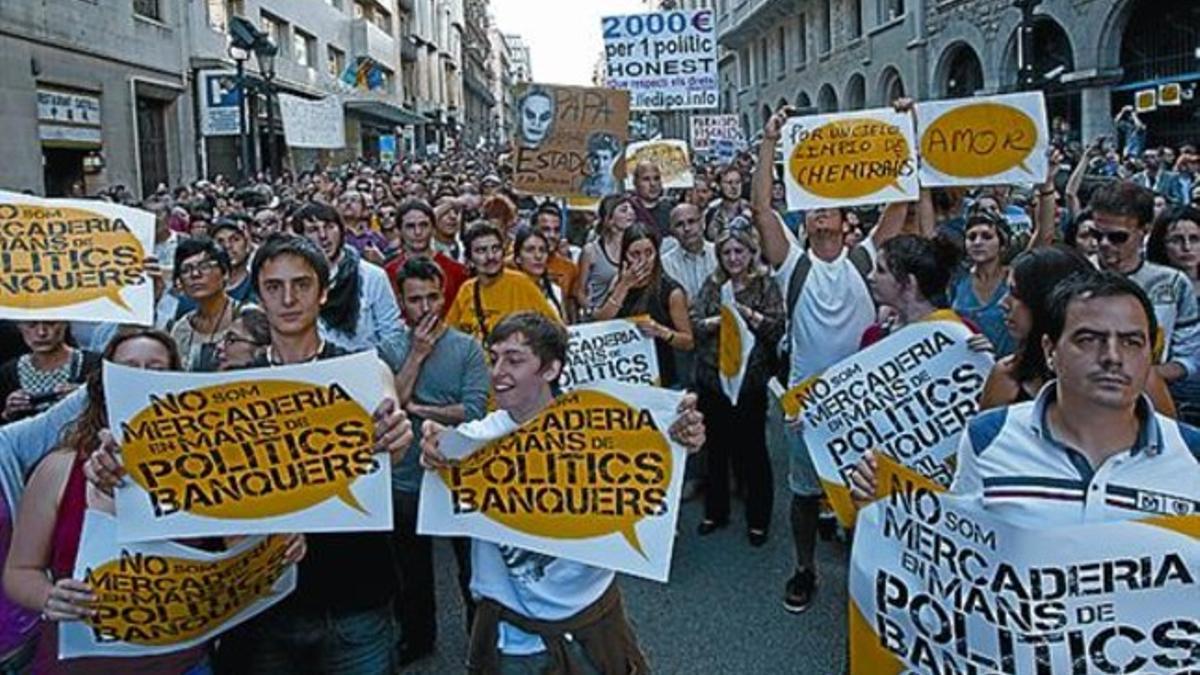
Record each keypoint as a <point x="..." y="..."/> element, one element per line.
<point x="55" y="256"/>
<point x="247" y="450"/>
<point x="980" y="140"/>
<point x="671" y="158"/>
<point x="729" y="344"/>
<point x="851" y="158"/>
<point x="588" y="465"/>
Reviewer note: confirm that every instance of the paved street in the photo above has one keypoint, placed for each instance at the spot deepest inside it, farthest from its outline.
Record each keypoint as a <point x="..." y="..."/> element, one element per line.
<point x="721" y="611"/>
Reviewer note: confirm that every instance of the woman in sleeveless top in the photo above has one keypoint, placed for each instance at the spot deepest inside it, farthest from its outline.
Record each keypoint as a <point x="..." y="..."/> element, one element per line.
<point x="599" y="262"/>
<point x="1031" y="280"/>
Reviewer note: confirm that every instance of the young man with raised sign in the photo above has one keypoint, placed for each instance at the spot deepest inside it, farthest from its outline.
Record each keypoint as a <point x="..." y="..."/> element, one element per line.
<point x="538" y="613"/>
<point x="339" y="619"/>
<point x="829" y="305"/>
<point x="441" y="375"/>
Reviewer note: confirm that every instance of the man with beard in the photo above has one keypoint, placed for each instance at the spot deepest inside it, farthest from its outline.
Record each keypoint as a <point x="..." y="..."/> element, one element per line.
<point x="829" y="305"/>
<point x="361" y="311"/>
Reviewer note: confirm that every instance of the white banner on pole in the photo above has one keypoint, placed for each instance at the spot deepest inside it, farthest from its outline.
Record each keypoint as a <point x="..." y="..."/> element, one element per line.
<point x="313" y="124"/>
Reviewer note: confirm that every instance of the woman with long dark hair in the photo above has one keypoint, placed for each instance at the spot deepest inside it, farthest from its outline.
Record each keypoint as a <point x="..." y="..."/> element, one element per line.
<point x="641" y="289"/>
<point x="531" y="251"/>
<point x="600" y="260"/>
<point x="1175" y="242"/>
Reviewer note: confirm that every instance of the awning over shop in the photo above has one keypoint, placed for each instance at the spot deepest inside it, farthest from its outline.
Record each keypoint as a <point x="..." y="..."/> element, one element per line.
<point x="383" y="111"/>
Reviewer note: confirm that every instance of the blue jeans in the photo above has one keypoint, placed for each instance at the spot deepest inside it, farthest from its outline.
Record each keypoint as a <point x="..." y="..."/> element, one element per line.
<point x="348" y="643"/>
<point x="802" y="475"/>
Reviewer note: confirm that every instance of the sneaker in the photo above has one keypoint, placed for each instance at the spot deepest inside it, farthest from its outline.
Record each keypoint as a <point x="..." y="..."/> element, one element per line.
<point x="799" y="592"/>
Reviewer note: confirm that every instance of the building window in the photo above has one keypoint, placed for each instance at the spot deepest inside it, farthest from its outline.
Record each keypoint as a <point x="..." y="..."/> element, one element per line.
<point x="148" y="8"/>
<point x="304" y="48"/>
<point x="335" y="60"/>
<point x="763" y="64"/>
<point x="854" y="7"/>
<point x="221" y="11"/>
<point x="802" y="41"/>
<point x="336" y="4"/>
<point x="275" y="29"/>
<point x="826" y="34"/>
<point x="781" y="50"/>
<point x="744" y="59"/>
<point x="890" y="9"/>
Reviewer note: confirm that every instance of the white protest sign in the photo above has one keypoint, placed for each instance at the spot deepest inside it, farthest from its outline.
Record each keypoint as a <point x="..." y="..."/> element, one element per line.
<point x="593" y="478"/>
<point x="666" y="60"/>
<point x="74" y="260"/>
<point x="735" y="341"/>
<point x="907" y="397"/>
<point x="313" y="124"/>
<point x="258" y="451"/>
<point x="707" y="129"/>
<point x="984" y="140"/>
<point x="160" y="597"/>
<point x="609" y="351"/>
<point x="940" y="585"/>
<point x="670" y="156"/>
<point x="846" y="159"/>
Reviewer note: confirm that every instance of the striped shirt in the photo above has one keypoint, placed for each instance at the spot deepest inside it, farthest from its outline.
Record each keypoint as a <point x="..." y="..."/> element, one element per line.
<point x="1009" y="460"/>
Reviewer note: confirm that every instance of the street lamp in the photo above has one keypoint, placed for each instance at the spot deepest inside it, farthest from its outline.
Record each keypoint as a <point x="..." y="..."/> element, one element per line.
<point x="240" y="55"/>
<point x="264" y="52"/>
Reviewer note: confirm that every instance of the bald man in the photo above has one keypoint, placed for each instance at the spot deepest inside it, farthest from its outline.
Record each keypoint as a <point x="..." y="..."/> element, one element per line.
<point x="651" y="204"/>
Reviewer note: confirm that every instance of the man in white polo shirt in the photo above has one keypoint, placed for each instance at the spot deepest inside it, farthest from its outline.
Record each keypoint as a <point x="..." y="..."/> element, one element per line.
<point x="1090" y="447"/>
<point x="829" y="306"/>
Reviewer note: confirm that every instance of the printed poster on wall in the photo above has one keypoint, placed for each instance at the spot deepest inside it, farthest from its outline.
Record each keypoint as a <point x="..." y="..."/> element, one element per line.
<point x="74" y="260"/>
<point x="907" y="397"/>
<point x="257" y="451"/>
<point x="609" y="351"/>
<point x="570" y="141"/>
<point x="161" y="597"/>
<point x="313" y="124"/>
<point x="985" y="140"/>
<point x="735" y="341"/>
<point x="847" y="159"/>
<point x="940" y="585"/>
<point x="665" y="60"/>
<point x="670" y="156"/>
<point x="593" y="478"/>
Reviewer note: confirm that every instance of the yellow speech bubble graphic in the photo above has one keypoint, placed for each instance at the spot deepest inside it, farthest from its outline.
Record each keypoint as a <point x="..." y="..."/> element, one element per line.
<point x="249" y="449"/>
<point x="850" y="158"/>
<point x="979" y="140"/>
<point x="58" y="256"/>
<point x="729" y="344"/>
<point x="671" y="160"/>
<point x="152" y="600"/>
<point x="587" y="466"/>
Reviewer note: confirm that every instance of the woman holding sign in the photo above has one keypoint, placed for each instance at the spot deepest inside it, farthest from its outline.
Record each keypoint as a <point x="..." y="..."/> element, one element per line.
<point x="41" y="563"/>
<point x="761" y="305"/>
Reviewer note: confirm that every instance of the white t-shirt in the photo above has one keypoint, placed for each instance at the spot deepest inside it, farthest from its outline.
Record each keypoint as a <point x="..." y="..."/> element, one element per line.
<point x="532" y="584"/>
<point x="831" y="314"/>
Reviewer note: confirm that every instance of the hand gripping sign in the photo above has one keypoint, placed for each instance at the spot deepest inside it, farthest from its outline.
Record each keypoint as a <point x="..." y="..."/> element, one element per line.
<point x="68" y="259"/>
<point x="160" y="597"/>
<point x="907" y="397"/>
<point x="735" y="341"/>
<point x="940" y="585"/>
<point x="609" y="351"/>
<point x="285" y="449"/>
<point x="846" y="159"/>
<point x="984" y="140"/>
<point x="592" y="478"/>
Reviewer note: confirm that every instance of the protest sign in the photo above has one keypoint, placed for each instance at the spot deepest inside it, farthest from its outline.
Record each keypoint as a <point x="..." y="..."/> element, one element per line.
<point x="665" y="60"/>
<point x="313" y="124"/>
<point x="154" y="598"/>
<point x="735" y="341"/>
<point x="284" y="449"/>
<point x="570" y="141"/>
<point x="907" y="397"/>
<point x="609" y="351"/>
<point x="707" y="129"/>
<point x="671" y="158"/>
<point x="74" y="259"/>
<point x="593" y="478"/>
<point x="845" y="159"/>
<point x="939" y="585"/>
<point x="984" y="140"/>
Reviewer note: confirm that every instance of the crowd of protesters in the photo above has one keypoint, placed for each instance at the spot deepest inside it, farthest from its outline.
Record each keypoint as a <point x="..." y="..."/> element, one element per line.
<point x="1084" y="287"/>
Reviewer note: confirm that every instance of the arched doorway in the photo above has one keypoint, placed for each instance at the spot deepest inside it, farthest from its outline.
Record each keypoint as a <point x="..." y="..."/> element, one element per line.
<point x="856" y="92"/>
<point x="891" y="86"/>
<point x="783" y="103"/>
<point x="1053" y="56"/>
<point x="1158" y="46"/>
<point x="766" y="114"/>
<point x="960" y="73"/>
<point x="827" y="100"/>
<point x="803" y="102"/>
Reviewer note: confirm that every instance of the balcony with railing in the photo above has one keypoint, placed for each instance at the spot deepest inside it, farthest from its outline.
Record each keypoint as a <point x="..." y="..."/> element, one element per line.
<point x="370" y="41"/>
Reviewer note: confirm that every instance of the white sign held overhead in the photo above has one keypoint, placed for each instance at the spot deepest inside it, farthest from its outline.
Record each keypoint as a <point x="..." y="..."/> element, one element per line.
<point x="666" y="60"/>
<point x="313" y="124"/>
